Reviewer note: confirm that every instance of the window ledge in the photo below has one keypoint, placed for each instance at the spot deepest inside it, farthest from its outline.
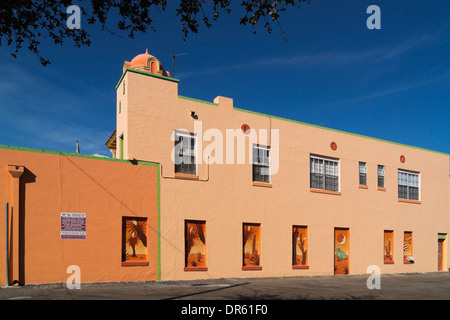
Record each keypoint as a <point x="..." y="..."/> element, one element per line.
<point x="410" y="201"/>
<point x="363" y="186"/>
<point x="338" y="193"/>
<point x="186" y="176"/>
<point x="251" y="268"/>
<point x="195" y="269"/>
<point x="381" y="189"/>
<point x="134" y="263"/>
<point x="300" y="267"/>
<point x="388" y="262"/>
<point x="408" y="262"/>
<point x="262" y="184"/>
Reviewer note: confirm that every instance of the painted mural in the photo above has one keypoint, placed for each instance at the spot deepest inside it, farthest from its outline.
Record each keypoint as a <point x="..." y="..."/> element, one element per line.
<point x="388" y="247"/>
<point x="300" y="246"/>
<point x="341" y="251"/>
<point x="407" y="248"/>
<point x="195" y="255"/>
<point x="252" y="244"/>
<point x="134" y="240"/>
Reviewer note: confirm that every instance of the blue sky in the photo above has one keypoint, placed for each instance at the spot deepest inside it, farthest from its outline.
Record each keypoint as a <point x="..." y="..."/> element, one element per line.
<point x="392" y="83"/>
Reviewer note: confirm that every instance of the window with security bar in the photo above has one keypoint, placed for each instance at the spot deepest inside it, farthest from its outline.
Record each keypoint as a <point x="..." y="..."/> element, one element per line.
<point x="185" y="153"/>
<point x="408" y="185"/>
<point x="363" y="173"/>
<point x="324" y="174"/>
<point x="261" y="164"/>
<point x="381" y="173"/>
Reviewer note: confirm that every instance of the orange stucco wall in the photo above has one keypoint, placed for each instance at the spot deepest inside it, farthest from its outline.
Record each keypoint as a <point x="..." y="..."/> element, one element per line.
<point x="104" y="190"/>
<point x="228" y="198"/>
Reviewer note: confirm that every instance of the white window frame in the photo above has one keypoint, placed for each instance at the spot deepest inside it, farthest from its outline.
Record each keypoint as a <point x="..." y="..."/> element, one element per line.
<point x="189" y="135"/>
<point x="365" y="172"/>
<point x="265" y="148"/>
<point x="407" y="185"/>
<point x="312" y="156"/>
<point x="384" y="176"/>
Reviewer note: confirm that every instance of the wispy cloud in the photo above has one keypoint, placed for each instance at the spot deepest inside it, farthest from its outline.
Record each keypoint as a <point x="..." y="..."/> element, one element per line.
<point x="330" y="58"/>
<point x="51" y="114"/>
<point x="391" y="90"/>
<point x="56" y="135"/>
<point x="90" y="139"/>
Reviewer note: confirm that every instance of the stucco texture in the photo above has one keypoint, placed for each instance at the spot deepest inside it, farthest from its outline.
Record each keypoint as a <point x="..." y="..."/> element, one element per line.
<point x="104" y="190"/>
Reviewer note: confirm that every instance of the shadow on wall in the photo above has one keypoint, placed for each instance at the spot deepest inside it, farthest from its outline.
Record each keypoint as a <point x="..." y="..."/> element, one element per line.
<point x="26" y="178"/>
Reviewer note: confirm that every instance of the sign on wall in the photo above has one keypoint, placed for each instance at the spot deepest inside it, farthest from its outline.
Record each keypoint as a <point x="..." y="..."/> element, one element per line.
<point x="73" y="225"/>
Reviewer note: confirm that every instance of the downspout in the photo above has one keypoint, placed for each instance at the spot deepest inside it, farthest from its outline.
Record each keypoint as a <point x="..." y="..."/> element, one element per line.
<point x="16" y="172"/>
<point x="7" y="243"/>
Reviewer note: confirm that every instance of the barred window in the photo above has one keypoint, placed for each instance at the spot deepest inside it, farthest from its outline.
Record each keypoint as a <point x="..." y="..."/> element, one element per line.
<point x="185" y="153"/>
<point x="408" y="185"/>
<point x="261" y="163"/>
<point x="324" y="174"/>
<point x="363" y="173"/>
<point x="381" y="172"/>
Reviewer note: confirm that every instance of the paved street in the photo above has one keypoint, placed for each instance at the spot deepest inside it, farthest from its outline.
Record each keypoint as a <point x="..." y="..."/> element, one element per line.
<point x="424" y="286"/>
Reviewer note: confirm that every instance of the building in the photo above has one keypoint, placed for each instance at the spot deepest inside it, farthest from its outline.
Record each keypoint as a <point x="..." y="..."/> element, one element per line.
<point x="200" y="189"/>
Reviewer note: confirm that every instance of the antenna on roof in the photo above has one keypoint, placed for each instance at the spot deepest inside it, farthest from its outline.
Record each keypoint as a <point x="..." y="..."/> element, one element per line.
<point x="173" y="60"/>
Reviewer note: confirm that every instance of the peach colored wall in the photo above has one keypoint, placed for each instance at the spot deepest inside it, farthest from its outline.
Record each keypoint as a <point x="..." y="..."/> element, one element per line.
<point x="229" y="199"/>
<point x="104" y="190"/>
<point x="122" y="117"/>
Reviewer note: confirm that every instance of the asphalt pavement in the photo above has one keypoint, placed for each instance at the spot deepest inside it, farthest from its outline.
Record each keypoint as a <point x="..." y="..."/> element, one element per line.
<point x="417" y="286"/>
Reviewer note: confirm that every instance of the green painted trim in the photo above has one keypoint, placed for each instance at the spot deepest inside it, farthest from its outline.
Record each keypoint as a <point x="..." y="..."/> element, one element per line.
<point x="75" y="155"/>
<point x="336" y="130"/>
<point x="146" y="74"/>
<point x="442" y="236"/>
<point x="121" y="146"/>
<point x="159" y="222"/>
<point x="197" y="100"/>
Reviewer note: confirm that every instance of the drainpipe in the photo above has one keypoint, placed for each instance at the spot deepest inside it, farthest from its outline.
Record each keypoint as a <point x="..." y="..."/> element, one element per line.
<point x="7" y="243"/>
<point x="16" y="172"/>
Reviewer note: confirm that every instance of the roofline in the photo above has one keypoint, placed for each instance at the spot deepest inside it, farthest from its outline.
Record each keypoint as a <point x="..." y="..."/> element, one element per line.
<point x="112" y="138"/>
<point x="145" y="74"/>
<point x="339" y="131"/>
<point x="197" y="100"/>
<point x="76" y="155"/>
<point x="276" y="117"/>
<point x="317" y="126"/>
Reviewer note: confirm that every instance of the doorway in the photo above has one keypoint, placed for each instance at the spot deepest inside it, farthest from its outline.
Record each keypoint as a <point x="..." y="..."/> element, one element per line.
<point x="341" y="251"/>
<point x="441" y="240"/>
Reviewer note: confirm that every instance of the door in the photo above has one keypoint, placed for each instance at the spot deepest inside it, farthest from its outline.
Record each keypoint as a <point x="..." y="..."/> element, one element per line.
<point x="341" y="250"/>
<point x="440" y="254"/>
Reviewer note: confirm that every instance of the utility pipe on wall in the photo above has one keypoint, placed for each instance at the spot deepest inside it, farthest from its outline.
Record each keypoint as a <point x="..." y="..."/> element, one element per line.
<point x="7" y="243"/>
